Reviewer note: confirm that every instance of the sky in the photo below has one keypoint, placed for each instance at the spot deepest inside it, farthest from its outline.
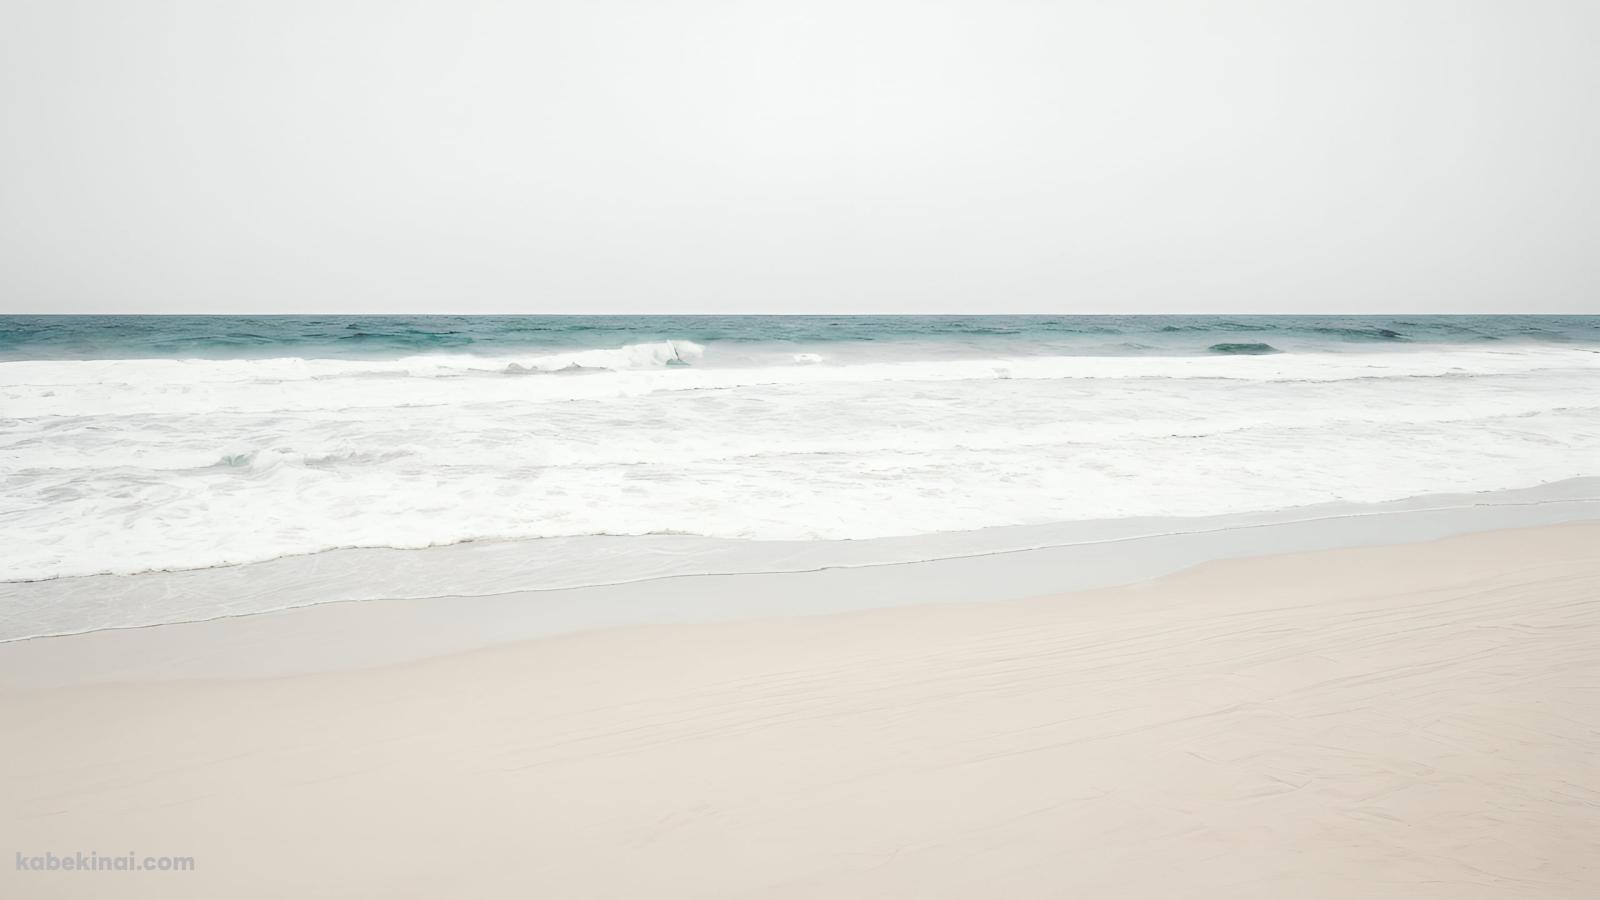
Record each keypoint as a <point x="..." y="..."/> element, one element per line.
<point x="870" y="156"/>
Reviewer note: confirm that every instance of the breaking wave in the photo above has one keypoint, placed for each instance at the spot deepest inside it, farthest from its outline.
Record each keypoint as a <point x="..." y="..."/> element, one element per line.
<point x="128" y="465"/>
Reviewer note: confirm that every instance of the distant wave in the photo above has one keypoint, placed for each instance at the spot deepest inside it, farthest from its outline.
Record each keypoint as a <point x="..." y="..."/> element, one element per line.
<point x="1362" y="334"/>
<point x="632" y="356"/>
<point x="518" y="337"/>
<point x="1224" y="325"/>
<point x="1247" y="349"/>
<point x="406" y="341"/>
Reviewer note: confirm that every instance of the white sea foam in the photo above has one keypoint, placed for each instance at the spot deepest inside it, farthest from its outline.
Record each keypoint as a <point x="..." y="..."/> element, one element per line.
<point x="132" y="465"/>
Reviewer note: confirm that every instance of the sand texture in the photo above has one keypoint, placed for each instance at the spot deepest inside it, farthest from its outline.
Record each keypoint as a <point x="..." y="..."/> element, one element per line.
<point x="1406" y="721"/>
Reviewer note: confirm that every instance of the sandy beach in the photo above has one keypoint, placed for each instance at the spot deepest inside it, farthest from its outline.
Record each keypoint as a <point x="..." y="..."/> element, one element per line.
<point x="1412" y="720"/>
<point x="829" y="451"/>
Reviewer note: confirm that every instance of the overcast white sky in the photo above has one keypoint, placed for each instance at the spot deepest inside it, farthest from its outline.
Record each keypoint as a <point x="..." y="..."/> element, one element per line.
<point x="859" y="156"/>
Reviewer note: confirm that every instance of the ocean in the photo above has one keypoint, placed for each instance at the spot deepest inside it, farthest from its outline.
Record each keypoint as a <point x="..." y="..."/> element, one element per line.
<point x="137" y="443"/>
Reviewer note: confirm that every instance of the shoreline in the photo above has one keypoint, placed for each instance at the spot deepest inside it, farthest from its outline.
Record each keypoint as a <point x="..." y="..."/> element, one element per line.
<point x="51" y="608"/>
<point x="1397" y="720"/>
<point x="344" y="633"/>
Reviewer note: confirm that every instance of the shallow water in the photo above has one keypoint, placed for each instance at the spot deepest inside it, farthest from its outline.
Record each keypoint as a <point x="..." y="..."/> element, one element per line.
<point x="130" y="444"/>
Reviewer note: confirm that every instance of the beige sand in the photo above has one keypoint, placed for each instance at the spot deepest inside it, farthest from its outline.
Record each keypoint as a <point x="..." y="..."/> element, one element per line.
<point x="1408" y="721"/>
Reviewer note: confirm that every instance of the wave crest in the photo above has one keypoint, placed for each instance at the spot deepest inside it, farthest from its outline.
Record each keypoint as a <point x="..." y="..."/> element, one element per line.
<point x="631" y="356"/>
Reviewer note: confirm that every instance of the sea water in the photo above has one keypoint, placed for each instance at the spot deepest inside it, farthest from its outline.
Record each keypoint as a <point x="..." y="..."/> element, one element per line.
<point x="131" y="444"/>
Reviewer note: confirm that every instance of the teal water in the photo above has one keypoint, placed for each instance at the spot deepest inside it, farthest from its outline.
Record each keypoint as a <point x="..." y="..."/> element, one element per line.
<point x="336" y="337"/>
